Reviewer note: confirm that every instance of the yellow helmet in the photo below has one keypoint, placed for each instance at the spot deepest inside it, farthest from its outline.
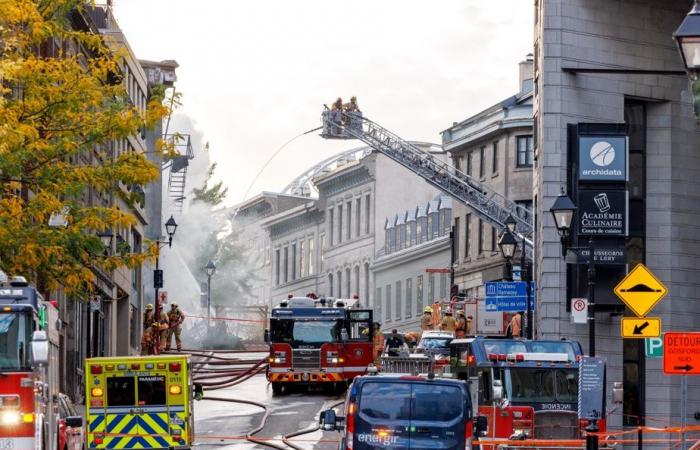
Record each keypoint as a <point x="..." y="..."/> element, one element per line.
<point x="149" y="307"/>
<point x="173" y="305"/>
<point x="428" y="309"/>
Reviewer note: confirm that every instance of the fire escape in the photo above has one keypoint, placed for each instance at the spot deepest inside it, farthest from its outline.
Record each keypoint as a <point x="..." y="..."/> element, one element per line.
<point x="179" y="145"/>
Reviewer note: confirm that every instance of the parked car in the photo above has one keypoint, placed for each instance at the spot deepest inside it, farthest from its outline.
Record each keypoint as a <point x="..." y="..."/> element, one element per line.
<point x="405" y="412"/>
<point x="70" y="425"/>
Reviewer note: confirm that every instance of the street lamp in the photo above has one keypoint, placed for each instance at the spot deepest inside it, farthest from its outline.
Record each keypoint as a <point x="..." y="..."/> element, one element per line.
<point x="106" y="238"/>
<point x="510" y="223"/>
<point x="563" y="211"/>
<point x="687" y="37"/>
<point x="508" y="244"/>
<point x="170" y="227"/>
<point x="210" y="269"/>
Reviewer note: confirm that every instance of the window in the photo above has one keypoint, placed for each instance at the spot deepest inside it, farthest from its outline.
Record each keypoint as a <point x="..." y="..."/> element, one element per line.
<point x="409" y="297"/>
<point x="434" y="402"/>
<point x="151" y="391"/>
<point x="367" y="211"/>
<point x="413" y="232"/>
<point x="435" y="229"/>
<point x="302" y="259"/>
<point x="277" y="267"/>
<point x="525" y="153"/>
<point x="294" y="262"/>
<point x="312" y="256"/>
<point x="15" y="336"/>
<point x="402" y="237"/>
<point x="493" y="239"/>
<point x="419" y="295"/>
<point x="429" y="232"/>
<point x="387" y="240"/>
<point x="357" y="282"/>
<point x="358" y="208"/>
<point x="443" y="286"/>
<point x="494" y="158"/>
<point x="365" y="298"/>
<point x="399" y="303"/>
<point x="285" y="274"/>
<point x="121" y="391"/>
<point x="392" y="239"/>
<point x="339" y="276"/>
<point x="330" y="226"/>
<point x="431" y="287"/>
<point x="481" y="237"/>
<point x="322" y="249"/>
<point x="525" y="211"/>
<point x="330" y="284"/>
<point x="467" y="226"/>
<point x="469" y="163"/>
<point x="455" y="239"/>
<point x="388" y="303"/>
<point x="340" y="224"/>
<point x="378" y="304"/>
<point x="443" y="222"/>
<point x="482" y="162"/>
<point x="447" y="220"/>
<point x="348" y="234"/>
<point x="388" y="401"/>
<point x="348" y="284"/>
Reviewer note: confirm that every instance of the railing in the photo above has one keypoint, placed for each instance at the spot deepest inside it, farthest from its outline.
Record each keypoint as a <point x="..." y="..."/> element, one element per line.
<point x="482" y="199"/>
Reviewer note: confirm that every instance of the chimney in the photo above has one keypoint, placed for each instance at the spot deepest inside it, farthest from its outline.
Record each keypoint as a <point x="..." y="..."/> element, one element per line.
<point x="526" y="73"/>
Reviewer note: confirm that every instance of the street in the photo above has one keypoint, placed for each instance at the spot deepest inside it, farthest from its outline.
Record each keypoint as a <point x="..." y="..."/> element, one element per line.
<point x="221" y="424"/>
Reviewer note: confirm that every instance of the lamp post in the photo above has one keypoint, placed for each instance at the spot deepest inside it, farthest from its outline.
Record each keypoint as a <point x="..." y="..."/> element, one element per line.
<point x="170" y="227"/>
<point x="508" y="243"/>
<point x="210" y="269"/>
<point x="687" y="38"/>
<point x="106" y="238"/>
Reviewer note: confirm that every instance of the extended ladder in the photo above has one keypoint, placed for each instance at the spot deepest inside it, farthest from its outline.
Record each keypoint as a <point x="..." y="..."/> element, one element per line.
<point x="488" y="204"/>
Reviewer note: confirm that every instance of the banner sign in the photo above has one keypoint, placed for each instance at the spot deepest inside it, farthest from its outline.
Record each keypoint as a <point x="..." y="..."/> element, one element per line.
<point x="601" y="255"/>
<point x="509" y="296"/>
<point x="602" y="212"/>
<point x="591" y="388"/>
<point x="602" y="158"/>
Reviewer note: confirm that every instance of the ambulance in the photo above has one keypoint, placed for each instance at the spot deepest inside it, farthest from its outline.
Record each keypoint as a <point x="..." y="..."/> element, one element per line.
<point x="139" y="402"/>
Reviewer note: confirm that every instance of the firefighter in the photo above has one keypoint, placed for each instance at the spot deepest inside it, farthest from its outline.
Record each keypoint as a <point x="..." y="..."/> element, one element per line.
<point x="515" y="326"/>
<point x="395" y="343"/>
<point x="163" y="326"/>
<point x="426" y="322"/>
<point x="175" y="319"/>
<point x="149" y="339"/>
<point x="148" y="316"/>
<point x="337" y="106"/>
<point x="378" y="345"/>
<point x="448" y="322"/>
<point x="461" y="329"/>
<point x="352" y="105"/>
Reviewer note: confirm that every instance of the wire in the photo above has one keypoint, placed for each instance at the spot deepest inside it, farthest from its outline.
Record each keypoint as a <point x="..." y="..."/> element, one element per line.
<point x="277" y="152"/>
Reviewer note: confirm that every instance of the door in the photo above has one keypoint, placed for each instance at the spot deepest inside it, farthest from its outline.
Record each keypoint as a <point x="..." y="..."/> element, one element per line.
<point x="383" y="417"/>
<point x="359" y="347"/>
<point x="438" y="415"/>
<point x="121" y="420"/>
<point x="153" y="410"/>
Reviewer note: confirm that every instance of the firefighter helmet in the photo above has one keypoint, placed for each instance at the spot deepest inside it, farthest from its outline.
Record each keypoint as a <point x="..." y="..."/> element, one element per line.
<point x="428" y="309"/>
<point x="149" y="307"/>
<point x="448" y="312"/>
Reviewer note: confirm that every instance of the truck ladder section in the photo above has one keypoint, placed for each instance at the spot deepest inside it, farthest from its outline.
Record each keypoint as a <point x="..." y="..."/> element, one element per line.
<point x="488" y="204"/>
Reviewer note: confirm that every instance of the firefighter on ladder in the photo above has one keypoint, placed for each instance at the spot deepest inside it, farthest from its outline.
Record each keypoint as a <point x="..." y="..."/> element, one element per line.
<point x="175" y="319"/>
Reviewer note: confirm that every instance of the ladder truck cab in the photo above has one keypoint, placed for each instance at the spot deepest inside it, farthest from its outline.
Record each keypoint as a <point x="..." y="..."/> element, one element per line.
<point x="524" y="388"/>
<point x="28" y="369"/>
<point x="318" y="342"/>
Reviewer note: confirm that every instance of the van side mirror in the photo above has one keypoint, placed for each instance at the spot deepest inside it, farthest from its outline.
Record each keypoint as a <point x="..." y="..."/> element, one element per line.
<point x="497" y="390"/>
<point x="481" y="425"/>
<point x="74" y="421"/>
<point x="329" y="421"/>
<point x="618" y="392"/>
<point x="266" y="336"/>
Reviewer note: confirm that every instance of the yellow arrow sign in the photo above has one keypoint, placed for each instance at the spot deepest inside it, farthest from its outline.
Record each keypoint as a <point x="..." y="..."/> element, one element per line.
<point x="640" y="290"/>
<point x="645" y="327"/>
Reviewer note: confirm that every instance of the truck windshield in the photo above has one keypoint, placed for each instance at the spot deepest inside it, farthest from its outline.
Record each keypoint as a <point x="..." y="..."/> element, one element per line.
<point x="305" y="332"/>
<point x="15" y="335"/>
<point x="546" y="385"/>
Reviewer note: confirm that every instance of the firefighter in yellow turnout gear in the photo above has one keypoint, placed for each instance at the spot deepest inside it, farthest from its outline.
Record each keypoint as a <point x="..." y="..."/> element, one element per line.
<point x="175" y="319"/>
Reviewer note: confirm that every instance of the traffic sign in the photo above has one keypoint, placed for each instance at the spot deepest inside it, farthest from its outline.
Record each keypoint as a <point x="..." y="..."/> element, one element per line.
<point x="579" y="310"/>
<point x="640" y="290"/>
<point x="645" y="327"/>
<point x="509" y="296"/>
<point x="654" y="347"/>
<point x="682" y="353"/>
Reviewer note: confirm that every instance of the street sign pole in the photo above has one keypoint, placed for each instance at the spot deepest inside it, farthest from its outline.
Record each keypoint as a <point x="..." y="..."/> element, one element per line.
<point x="684" y="407"/>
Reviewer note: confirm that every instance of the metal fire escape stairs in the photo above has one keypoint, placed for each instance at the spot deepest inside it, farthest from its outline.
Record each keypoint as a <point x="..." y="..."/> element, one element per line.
<point x="181" y="145"/>
<point x="486" y="203"/>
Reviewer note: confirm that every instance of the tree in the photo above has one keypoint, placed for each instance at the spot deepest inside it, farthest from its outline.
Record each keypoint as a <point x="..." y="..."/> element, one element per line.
<point x="212" y="195"/>
<point x="60" y="111"/>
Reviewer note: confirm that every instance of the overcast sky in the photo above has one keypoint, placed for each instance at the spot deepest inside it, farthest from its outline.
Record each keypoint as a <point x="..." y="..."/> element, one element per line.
<point x="256" y="73"/>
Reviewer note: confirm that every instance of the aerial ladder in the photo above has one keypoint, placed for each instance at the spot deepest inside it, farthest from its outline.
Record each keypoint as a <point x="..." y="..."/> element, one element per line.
<point x="486" y="203"/>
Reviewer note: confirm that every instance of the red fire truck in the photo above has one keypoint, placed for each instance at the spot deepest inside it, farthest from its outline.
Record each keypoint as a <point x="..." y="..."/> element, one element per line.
<point x="524" y="388"/>
<point x="318" y="342"/>
<point x="28" y="368"/>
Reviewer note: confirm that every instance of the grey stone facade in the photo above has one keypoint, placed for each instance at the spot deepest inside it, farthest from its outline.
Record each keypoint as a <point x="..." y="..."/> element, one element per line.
<point x="617" y="34"/>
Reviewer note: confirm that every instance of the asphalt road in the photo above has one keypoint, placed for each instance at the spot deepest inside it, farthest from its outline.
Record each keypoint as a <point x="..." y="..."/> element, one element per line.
<point x="224" y="425"/>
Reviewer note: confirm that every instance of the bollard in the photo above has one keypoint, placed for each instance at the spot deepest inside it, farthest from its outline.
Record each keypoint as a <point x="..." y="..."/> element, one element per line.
<point x="592" y="439"/>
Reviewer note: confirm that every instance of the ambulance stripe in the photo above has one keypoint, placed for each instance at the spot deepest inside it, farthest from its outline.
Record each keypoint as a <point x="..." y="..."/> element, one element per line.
<point x="96" y="421"/>
<point x="160" y="422"/>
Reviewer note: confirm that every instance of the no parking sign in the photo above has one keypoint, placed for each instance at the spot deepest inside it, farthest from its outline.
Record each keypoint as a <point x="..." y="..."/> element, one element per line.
<point x="579" y="310"/>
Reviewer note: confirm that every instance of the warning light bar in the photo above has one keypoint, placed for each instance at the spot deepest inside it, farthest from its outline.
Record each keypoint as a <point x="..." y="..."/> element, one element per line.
<point x="539" y="357"/>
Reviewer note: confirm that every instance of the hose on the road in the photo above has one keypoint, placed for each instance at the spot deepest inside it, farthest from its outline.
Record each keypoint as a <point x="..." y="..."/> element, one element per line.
<point x="286" y="437"/>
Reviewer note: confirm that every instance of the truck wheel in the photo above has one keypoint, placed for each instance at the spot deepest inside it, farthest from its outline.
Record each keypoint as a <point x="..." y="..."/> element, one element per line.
<point x="277" y="388"/>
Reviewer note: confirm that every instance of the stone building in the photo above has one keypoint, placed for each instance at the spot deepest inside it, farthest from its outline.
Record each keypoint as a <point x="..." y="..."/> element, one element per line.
<point x="494" y="146"/>
<point x="610" y="69"/>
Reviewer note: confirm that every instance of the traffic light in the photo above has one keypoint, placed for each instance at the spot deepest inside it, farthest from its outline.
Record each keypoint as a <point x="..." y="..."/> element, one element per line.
<point x="157" y="279"/>
<point x="454" y="291"/>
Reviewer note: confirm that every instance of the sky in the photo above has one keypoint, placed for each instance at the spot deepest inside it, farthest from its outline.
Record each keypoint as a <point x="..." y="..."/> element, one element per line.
<point x="256" y="73"/>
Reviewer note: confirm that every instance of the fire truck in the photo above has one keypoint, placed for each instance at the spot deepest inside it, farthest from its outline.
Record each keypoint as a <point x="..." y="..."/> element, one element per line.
<point x="318" y="342"/>
<point x="524" y="388"/>
<point x="28" y="368"/>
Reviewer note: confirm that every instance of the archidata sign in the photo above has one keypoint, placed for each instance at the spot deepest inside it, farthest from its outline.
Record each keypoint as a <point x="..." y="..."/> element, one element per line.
<point x="682" y="353"/>
<point x="602" y="212"/>
<point x="591" y="388"/>
<point x="602" y="158"/>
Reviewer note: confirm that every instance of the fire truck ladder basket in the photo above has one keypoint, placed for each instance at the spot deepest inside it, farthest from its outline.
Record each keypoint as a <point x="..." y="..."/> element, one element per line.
<point x="488" y="204"/>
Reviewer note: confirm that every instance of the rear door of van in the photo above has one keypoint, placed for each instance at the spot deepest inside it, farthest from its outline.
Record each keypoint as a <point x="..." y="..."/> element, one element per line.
<point x="438" y="415"/>
<point x="383" y="416"/>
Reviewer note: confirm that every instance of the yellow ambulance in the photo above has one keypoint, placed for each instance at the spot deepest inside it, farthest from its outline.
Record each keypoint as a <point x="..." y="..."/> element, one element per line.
<point x="139" y="402"/>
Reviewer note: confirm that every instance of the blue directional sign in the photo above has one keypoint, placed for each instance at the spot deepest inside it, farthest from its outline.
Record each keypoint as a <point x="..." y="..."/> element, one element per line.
<point x="509" y="296"/>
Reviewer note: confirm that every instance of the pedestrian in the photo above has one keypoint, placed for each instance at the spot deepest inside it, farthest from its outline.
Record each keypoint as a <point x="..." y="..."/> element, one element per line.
<point x="148" y="316"/>
<point x="395" y="343"/>
<point x="149" y="339"/>
<point x="461" y="327"/>
<point x="378" y="344"/>
<point x="175" y="319"/>
<point x="514" y="329"/>
<point x="448" y="322"/>
<point x="426" y="322"/>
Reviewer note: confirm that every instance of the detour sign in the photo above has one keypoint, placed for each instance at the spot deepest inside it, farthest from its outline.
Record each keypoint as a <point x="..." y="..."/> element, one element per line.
<point x="682" y="353"/>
